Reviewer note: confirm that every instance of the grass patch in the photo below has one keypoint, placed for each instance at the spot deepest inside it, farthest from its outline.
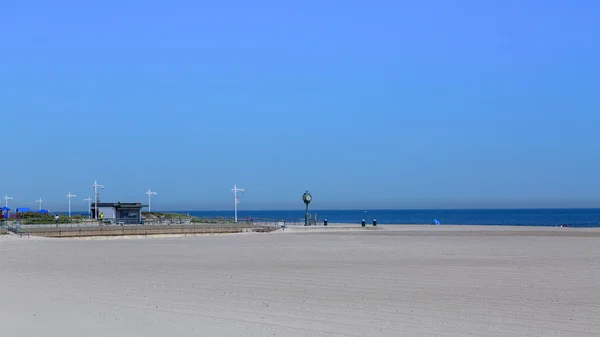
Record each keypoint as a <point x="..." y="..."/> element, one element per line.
<point x="175" y="216"/>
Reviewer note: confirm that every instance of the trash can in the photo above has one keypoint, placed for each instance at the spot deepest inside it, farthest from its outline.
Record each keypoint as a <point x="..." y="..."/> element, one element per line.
<point x="364" y="223"/>
<point x="374" y="222"/>
<point x="325" y="222"/>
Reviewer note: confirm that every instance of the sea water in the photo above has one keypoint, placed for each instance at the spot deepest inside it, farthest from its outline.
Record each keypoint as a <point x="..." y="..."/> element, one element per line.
<point x="509" y="217"/>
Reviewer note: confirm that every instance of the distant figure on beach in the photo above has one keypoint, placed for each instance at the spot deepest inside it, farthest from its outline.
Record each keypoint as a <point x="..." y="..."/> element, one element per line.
<point x="56" y="217"/>
<point x="101" y="216"/>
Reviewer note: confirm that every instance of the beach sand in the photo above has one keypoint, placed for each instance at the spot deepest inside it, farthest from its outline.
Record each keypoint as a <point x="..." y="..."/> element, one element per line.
<point x="392" y="281"/>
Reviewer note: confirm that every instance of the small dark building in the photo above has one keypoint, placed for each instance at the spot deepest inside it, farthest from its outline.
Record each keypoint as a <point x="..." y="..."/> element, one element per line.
<point x="119" y="212"/>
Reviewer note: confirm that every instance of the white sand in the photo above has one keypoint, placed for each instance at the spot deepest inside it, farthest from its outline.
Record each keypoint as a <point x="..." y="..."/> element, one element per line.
<point x="413" y="281"/>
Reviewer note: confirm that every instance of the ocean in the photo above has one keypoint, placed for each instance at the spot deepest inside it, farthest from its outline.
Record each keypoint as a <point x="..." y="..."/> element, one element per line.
<point x="506" y="217"/>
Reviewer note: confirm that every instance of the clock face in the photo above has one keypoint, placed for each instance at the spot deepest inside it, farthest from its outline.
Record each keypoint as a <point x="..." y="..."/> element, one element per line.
<point x="308" y="197"/>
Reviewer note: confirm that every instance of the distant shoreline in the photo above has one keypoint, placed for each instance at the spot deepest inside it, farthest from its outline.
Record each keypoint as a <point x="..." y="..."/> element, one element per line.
<point x="388" y="209"/>
<point x="80" y="212"/>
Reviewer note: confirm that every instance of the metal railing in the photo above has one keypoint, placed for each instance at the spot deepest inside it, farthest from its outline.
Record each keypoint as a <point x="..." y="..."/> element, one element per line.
<point x="24" y="226"/>
<point x="89" y="222"/>
<point x="30" y="225"/>
<point x="85" y="222"/>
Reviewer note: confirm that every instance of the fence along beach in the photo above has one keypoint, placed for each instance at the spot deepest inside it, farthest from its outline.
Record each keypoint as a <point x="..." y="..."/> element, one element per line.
<point x="32" y="224"/>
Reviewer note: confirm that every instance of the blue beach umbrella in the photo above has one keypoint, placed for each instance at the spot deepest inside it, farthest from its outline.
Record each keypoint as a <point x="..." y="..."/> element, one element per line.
<point x="5" y="210"/>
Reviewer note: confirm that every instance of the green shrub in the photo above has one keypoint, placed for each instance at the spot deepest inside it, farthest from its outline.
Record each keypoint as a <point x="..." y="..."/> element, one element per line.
<point x="35" y="218"/>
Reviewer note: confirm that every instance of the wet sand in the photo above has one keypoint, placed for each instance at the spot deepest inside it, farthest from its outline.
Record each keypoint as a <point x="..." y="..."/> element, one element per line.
<point x="392" y="281"/>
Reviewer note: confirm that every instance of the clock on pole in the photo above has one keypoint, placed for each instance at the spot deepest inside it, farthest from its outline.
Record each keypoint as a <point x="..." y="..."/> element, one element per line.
<point x="306" y="197"/>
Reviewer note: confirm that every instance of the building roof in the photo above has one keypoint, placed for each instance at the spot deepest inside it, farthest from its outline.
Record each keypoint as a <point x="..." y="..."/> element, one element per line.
<point x="119" y="204"/>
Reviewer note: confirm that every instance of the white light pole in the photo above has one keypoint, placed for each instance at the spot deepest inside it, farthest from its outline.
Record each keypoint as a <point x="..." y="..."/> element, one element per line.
<point x="150" y="194"/>
<point x="236" y="199"/>
<point x="69" y="195"/>
<point x="6" y="199"/>
<point x="96" y="195"/>
<point x="89" y="200"/>
<point x="40" y="202"/>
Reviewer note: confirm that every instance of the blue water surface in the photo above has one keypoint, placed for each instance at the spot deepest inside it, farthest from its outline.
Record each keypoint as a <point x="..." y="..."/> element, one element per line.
<point x="509" y="217"/>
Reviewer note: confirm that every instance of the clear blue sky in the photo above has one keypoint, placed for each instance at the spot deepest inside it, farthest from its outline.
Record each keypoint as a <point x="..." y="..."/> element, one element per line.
<point x="367" y="104"/>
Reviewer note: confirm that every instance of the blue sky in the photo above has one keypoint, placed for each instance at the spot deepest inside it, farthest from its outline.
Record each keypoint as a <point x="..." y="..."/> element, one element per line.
<point x="367" y="104"/>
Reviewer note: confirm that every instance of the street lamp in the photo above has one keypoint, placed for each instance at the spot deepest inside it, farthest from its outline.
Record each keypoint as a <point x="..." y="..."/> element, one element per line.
<point x="89" y="200"/>
<point x="306" y="197"/>
<point x="7" y="198"/>
<point x="150" y="193"/>
<point x="236" y="199"/>
<point x="69" y="195"/>
<point x="96" y="196"/>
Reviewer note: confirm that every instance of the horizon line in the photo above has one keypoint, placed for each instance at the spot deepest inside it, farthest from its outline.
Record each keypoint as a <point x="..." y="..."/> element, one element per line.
<point x="358" y="209"/>
<point x="388" y="209"/>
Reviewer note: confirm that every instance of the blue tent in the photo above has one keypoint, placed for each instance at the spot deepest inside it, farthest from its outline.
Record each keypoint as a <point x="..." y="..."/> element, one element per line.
<point x="436" y="222"/>
<point x="44" y="211"/>
<point x="23" y="209"/>
<point x="5" y="211"/>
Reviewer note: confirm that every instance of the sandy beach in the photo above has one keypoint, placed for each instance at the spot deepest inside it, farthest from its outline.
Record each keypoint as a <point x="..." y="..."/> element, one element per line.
<point x="389" y="281"/>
